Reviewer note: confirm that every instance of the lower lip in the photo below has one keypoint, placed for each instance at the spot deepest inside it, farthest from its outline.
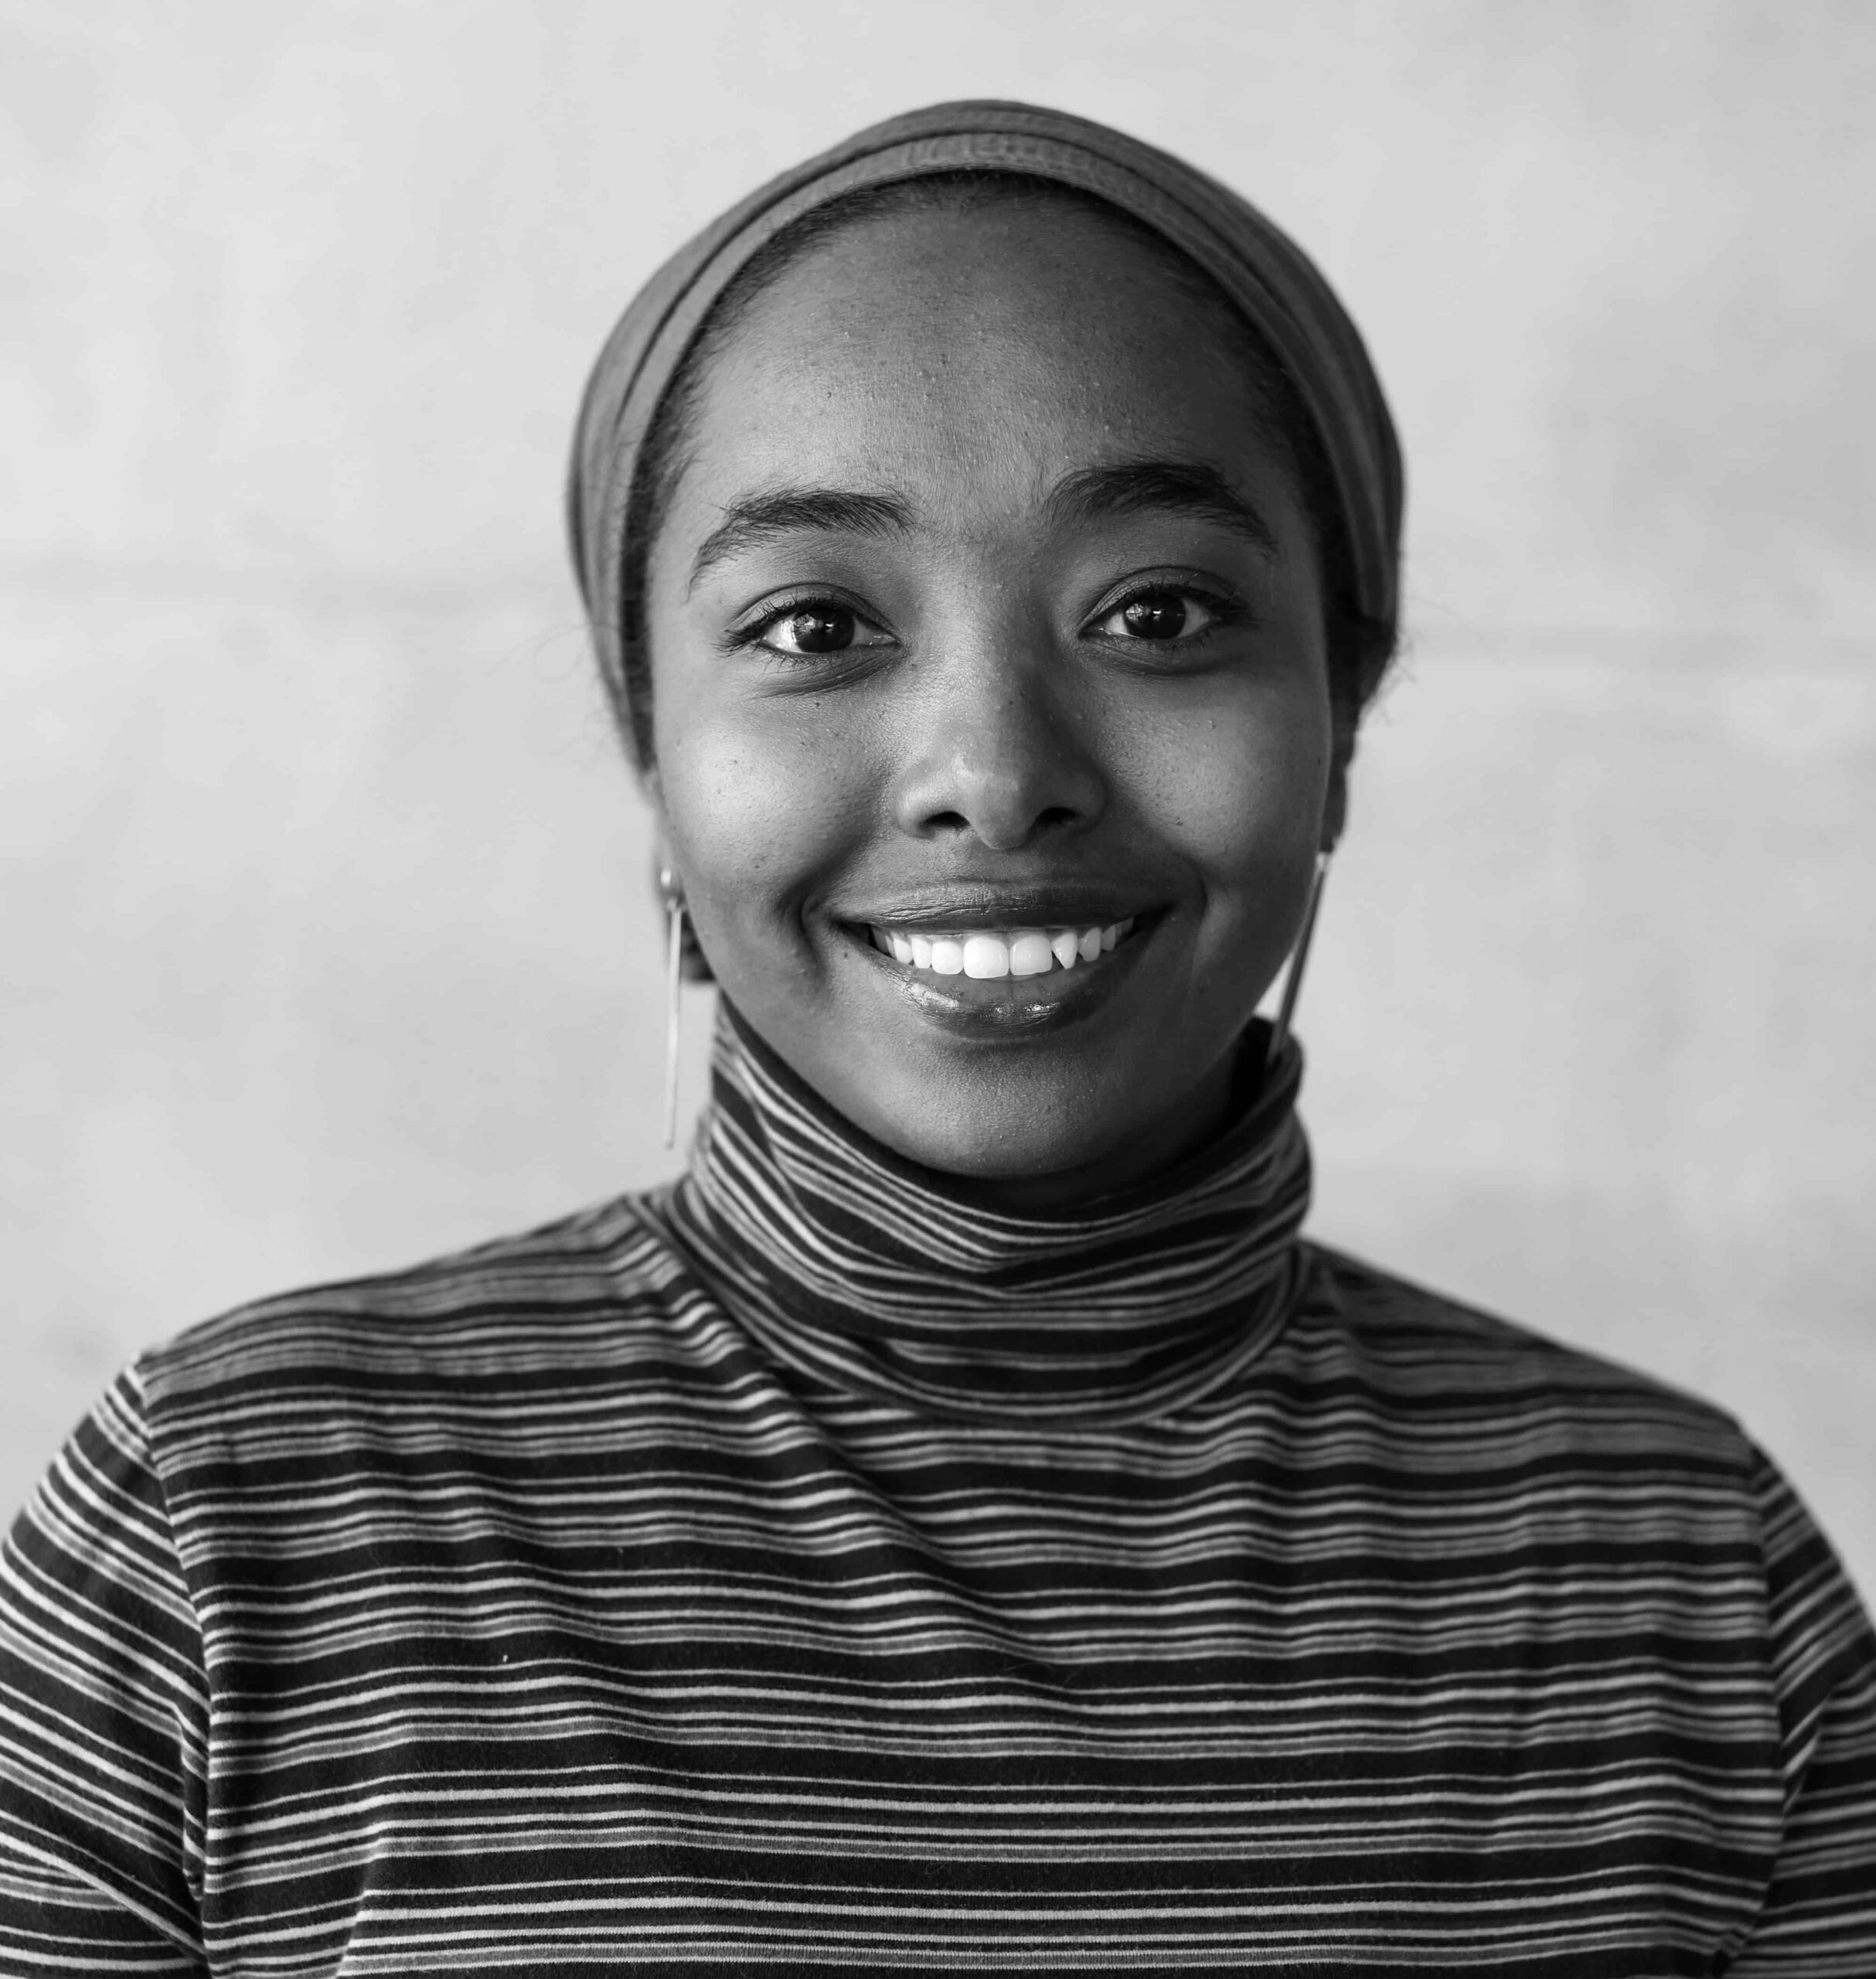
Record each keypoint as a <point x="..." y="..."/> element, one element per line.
<point x="1010" y="1007"/>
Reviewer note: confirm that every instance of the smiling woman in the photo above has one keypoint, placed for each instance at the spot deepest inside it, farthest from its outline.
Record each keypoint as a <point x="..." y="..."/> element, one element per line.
<point x="983" y="610"/>
<point x="959" y="1524"/>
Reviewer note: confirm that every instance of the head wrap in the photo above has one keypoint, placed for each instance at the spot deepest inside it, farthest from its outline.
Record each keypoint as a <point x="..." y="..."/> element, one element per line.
<point x="1263" y="273"/>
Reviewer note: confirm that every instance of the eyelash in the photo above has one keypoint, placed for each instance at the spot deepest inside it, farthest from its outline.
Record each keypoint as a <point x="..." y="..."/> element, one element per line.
<point x="1225" y="611"/>
<point x="753" y="634"/>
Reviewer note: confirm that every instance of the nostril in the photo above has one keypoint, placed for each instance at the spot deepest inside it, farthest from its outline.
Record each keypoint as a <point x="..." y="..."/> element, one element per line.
<point x="1055" y="817"/>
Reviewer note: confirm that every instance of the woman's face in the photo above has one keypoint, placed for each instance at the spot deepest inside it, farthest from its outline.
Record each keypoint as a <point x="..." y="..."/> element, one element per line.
<point x="991" y="712"/>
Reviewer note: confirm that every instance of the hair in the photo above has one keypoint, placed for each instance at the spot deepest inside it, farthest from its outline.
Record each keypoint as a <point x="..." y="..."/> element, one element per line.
<point x="1359" y="649"/>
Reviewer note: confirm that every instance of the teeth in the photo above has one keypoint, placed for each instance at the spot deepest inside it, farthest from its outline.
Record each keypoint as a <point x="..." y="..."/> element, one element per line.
<point x="986" y="957"/>
<point x="1031" y="955"/>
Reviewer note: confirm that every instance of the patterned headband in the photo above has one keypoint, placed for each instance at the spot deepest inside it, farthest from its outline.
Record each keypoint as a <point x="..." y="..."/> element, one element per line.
<point x="1266" y="275"/>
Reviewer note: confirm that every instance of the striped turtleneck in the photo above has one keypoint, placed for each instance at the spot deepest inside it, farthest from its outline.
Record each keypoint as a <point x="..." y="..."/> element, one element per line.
<point x="807" y="1567"/>
<point x="861" y="1271"/>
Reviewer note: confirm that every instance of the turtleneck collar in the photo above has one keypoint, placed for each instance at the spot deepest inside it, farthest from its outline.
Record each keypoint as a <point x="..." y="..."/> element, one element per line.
<point x="855" y="1267"/>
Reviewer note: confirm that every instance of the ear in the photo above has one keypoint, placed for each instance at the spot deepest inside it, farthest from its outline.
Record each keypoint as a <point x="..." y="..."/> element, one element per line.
<point x="665" y="877"/>
<point x="651" y="788"/>
<point x="1335" y="800"/>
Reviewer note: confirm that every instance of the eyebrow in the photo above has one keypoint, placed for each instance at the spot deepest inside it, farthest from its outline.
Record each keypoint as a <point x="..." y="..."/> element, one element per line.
<point x="1182" y="488"/>
<point x="1089" y="495"/>
<point x="758" y="518"/>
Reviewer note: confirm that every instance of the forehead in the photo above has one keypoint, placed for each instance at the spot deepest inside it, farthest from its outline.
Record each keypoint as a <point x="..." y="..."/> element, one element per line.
<point x="975" y="349"/>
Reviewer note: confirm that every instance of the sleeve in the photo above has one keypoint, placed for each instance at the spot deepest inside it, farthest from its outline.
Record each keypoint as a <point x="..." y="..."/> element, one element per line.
<point x="102" y="1716"/>
<point x="1818" y="1920"/>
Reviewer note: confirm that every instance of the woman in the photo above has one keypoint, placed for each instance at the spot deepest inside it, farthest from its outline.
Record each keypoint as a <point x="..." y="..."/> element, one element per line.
<point x="959" y="1525"/>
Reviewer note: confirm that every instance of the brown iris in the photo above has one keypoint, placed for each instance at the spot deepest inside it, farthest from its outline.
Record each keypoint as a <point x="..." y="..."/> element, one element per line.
<point x="1160" y="614"/>
<point x="819" y="628"/>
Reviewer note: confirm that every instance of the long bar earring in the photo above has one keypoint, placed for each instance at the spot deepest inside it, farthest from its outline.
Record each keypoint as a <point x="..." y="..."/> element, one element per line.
<point x="1292" y="982"/>
<point x="674" y="992"/>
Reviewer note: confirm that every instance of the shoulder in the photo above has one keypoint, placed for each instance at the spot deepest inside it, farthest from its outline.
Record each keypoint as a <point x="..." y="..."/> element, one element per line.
<point x="1560" y="1460"/>
<point x="1433" y="1358"/>
<point x="561" y="1292"/>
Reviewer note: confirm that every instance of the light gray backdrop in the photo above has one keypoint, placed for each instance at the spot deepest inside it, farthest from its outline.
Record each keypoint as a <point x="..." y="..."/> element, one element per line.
<point x="327" y="942"/>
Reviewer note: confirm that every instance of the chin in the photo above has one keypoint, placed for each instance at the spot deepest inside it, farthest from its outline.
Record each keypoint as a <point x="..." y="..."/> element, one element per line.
<point x="1059" y="1086"/>
<point x="1040" y="1125"/>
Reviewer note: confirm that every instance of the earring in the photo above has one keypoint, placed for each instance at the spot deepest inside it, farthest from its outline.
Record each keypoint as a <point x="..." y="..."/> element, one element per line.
<point x="672" y="895"/>
<point x="1292" y="982"/>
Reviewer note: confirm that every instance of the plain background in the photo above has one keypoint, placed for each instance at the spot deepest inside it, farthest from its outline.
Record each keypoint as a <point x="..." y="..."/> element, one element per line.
<point x="327" y="940"/>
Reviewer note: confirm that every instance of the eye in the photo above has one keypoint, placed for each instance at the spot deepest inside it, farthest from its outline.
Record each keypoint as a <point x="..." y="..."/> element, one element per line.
<point x="1162" y="613"/>
<point x="816" y="625"/>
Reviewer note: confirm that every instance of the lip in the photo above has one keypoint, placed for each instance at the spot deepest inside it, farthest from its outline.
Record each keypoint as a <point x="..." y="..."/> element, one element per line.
<point x="1006" y="1008"/>
<point x="986" y="904"/>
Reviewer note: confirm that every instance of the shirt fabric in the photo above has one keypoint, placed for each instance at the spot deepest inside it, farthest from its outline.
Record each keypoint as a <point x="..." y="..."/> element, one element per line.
<point x="804" y="1567"/>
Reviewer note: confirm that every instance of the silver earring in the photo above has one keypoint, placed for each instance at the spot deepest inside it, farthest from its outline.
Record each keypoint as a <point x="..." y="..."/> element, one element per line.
<point x="673" y="896"/>
<point x="1292" y="982"/>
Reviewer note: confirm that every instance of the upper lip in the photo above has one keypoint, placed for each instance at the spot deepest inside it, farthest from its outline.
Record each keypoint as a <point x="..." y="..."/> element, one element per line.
<point x="1054" y="904"/>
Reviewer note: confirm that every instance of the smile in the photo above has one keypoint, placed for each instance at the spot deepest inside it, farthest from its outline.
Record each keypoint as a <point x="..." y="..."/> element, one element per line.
<point x="993" y="980"/>
<point x="987" y="955"/>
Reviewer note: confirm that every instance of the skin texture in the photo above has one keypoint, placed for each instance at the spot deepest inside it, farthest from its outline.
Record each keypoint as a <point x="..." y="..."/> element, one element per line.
<point x="996" y="731"/>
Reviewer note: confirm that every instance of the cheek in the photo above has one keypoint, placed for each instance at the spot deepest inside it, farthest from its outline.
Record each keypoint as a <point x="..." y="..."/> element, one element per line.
<point x="1238" y="786"/>
<point x="758" y="806"/>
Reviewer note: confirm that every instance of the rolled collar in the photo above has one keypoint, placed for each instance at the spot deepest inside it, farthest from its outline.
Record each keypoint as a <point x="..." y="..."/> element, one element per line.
<point x="859" y="1268"/>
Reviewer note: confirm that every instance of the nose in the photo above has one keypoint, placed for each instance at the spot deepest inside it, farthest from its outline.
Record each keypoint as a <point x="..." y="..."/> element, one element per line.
<point x="998" y="752"/>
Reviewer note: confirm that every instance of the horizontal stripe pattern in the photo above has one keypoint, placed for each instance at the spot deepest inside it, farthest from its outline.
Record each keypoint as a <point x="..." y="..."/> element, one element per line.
<point x="627" y="1596"/>
<point x="862" y="1272"/>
